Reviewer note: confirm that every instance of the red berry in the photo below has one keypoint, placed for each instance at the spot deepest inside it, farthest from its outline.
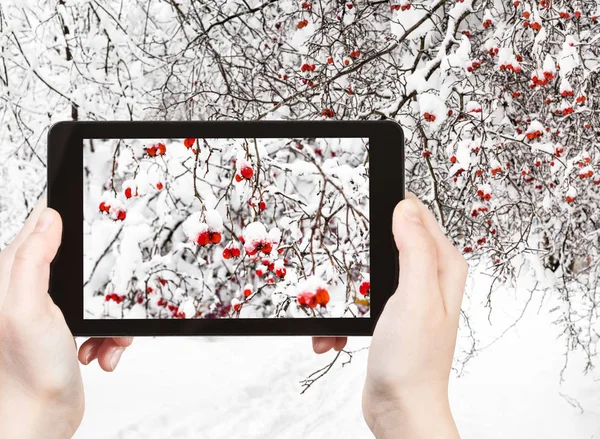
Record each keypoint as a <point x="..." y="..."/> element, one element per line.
<point x="322" y="296"/>
<point x="247" y="172"/>
<point x="121" y="215"/>
<point x="235" y="252"/>
<point x="189" y="142"/>
<point x="262" y="205"/>
<point x="159" y="186"/>
<point x="259" y="272"/>
<point x="215" y="237"/>
<point x="238" y="178"/>
<point x="226" y="253"/>
<point x="349" y="5"/>
<point x="266" y="248"/>
<point x="307" y="298"/>
<point x="453" y="159"/>
<point x="149" y="290"/>
<point x="330" y="60"/>
<point x="128" y="192"/>
<point x="151" y="150"/>
<point x="203" y="238"/>
<point x="161" y="148"/>
<point x="247" y="292"/>
<point x="104" y="207"/>
<point x="365" y="288"/>
<point x="280" y="272"/>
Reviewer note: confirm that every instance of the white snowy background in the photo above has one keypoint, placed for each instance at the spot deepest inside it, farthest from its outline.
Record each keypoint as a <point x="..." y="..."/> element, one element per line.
<point x="499" y="104"/>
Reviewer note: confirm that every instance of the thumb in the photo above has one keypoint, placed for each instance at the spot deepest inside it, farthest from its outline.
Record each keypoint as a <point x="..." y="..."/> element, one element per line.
<point x="417" y="252"/>
<point x="30" y="271"/>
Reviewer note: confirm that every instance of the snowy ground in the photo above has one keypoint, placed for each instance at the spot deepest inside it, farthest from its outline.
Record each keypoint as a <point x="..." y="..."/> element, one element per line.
<point x="249" y="388"/>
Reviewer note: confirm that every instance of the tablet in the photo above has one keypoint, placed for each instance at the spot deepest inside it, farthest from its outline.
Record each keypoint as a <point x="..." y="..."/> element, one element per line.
<point x="225" y="228"/>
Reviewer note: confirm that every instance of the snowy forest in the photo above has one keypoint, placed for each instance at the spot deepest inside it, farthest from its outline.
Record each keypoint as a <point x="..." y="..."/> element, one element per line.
<point x="213" y="228"/>
<point x="498" y="100"/>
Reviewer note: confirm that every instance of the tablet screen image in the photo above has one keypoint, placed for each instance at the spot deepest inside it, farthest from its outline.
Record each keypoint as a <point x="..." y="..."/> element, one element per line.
<point x="226" y="228"/>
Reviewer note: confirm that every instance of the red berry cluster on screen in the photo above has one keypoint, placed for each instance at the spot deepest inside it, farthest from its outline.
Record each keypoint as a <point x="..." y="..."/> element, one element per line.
<point x="114" y="297"/>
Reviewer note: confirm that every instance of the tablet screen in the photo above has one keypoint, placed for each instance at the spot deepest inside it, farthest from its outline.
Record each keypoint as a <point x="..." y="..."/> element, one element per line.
<point x="226" y="228"/>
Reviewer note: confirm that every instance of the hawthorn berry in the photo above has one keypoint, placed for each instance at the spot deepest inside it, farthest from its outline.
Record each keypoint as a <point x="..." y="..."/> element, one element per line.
<point x="104" y="207"/>
<point x="203" y="238"/>
<point x="236" y="304"/>
<point x="227" y="253"/>
<point x="238" y="178"/>
<point x="262" y="205"/>
<point x="121" y="215"/>
<point x="235" y="252"/>
<point x="365" y="288"/>
<point x="247" y="172"/>
<point x="280" y="272"/>
<point x="330" y="60"/>
<point x="215" y="237"/>
<point x="247" y="291"/>
<point x="322" y="297"/>
<point x="189" y="142"/>
<point x="308" y="299"/>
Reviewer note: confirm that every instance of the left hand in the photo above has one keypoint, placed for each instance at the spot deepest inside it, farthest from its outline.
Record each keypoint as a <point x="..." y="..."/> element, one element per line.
<point x="40" y="380"/>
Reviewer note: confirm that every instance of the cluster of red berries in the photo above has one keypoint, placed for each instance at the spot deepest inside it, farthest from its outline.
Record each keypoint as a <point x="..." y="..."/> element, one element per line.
<point x="114" y="297"/>
<point x="307" y="67"/>
<point x="479" y="210"/>
<point x="284" y="76"/>
<point x="158" y="149"/>
<point x="263" y="246"/>
<point x="120" y="214"/>
<point x="516" y="94"/>
<point x="545" y="4"/>
<point x="564" y="111"/>
<point x="429" y="117"/>
<point x="487" y="23"/>
<point x="426" y="153"/>
<point x="328" y="112"/>
<point x="365" y="288"/>
<point x="538" y="81"/>
<point x="302" y="23"/>
<point x="467" y="34"/>
<point x="467" y="249"/>
<point x="534" y="135"/>
<point x="493" y="51"/>
<point x="312" y="299"/>
<point x="514" y="69"/>
<point x="483" y="195"/>
<point x="565" y="15"/>
<point x="355" y="54"/>
<point x="558" y="151"/>
<point x="481" y="241"/>
<point x="496" y="170"/>
<point x="587" y="174"/>
<point x="567" y="93"/>
<point x="306" y="5"/>
<point x="231" y="252"/>
<point x="246" y="172"/>
<point x="474" y="66"/>
<point x="400" y="7"/>
<point x="581" y="99"/>
<point x="536" y="26"/>
<point x="206" y="237"/>
<point x="570" y="199"/>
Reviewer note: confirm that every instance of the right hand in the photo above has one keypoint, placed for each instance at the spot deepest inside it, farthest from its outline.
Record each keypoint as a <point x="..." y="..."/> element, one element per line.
<point x="406" y="389"/>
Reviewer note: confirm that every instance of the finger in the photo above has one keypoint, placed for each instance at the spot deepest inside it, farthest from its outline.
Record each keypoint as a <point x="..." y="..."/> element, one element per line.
<point x="123" y="341"/>
<point x="88" y="351"/>
<point x="30" y="271"/>
<point x="452" y="266"/>
<point x="418" y="282"/>
<point x="109" y="354"/>
<point x="323" y="344"/>
<point x="340" y="343"/>
<point x="29" y="225"/>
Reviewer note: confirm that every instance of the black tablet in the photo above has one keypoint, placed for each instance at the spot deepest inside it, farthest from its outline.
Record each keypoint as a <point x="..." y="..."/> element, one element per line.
<point x="225" y="228"/>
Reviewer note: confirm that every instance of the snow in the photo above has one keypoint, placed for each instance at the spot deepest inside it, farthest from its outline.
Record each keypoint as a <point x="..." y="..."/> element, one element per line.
<point x="245" y="387"/>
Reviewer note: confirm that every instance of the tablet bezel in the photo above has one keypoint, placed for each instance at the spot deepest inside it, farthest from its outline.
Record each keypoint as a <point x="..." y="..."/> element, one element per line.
<point x="65" y="194"/>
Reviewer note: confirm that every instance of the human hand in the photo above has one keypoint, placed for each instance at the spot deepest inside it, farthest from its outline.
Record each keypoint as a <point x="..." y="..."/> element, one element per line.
<point x="406" y="389"/>
<point x="40" y="381"/>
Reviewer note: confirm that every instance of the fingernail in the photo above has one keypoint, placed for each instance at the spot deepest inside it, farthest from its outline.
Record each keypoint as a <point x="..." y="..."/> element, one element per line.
<point x="88" y="358"/>
<point x="411" y="212"/>
<point x="114" y="358"/>
<point x="44" y="221"/>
